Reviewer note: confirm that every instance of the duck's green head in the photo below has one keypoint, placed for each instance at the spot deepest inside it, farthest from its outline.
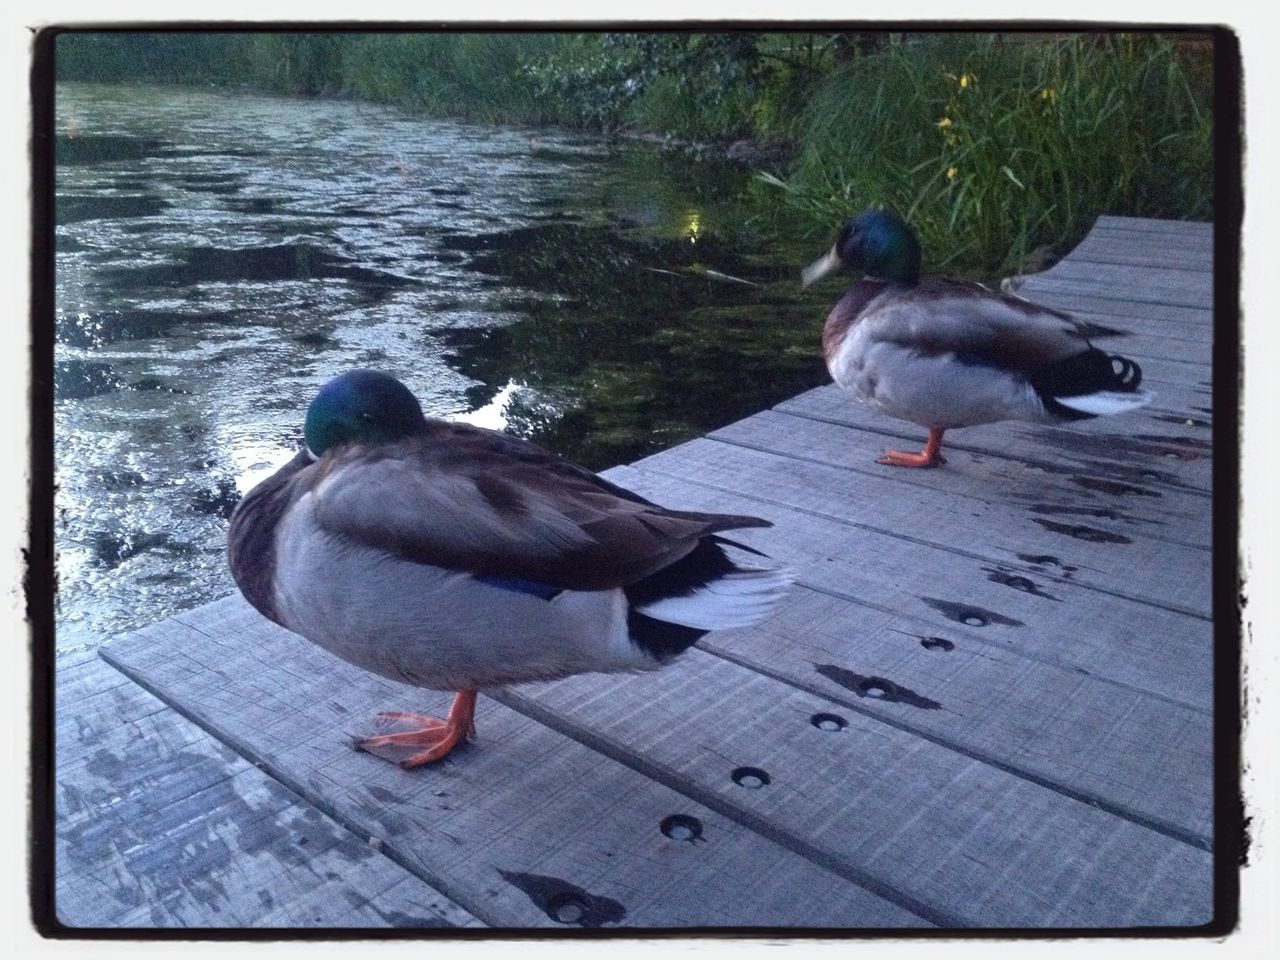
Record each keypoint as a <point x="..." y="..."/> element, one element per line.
<point x="362" y="406"/>
<point x="878" y="243"/>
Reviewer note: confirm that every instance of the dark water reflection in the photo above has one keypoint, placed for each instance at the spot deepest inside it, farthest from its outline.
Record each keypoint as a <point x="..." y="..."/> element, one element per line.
<point x="220" y="256"/>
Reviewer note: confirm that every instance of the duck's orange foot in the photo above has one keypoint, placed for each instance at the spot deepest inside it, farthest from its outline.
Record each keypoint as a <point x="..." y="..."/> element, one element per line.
<point x="930" y="456"/>
<point x="411" y="739"/>
<point x="897" y="458"/>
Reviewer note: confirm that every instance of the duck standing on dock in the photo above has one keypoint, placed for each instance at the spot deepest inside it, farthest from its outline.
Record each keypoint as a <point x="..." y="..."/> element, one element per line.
<point x="456" y="558"/>
<point x="947" y="353"/>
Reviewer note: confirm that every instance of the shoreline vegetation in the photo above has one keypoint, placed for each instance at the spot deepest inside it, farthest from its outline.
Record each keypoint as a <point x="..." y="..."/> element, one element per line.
<point x="1000" y="148"/>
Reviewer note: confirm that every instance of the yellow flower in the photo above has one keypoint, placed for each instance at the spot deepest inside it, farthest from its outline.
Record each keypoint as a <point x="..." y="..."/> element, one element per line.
<point x="944" y="122"/>
<point x="966" y="79"/>
<point x="951" y="173"/>
<point x="1048" y="93"/>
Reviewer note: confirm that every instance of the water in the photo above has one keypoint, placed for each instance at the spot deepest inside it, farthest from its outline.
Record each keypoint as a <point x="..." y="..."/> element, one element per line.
<point x="220" y="255"/>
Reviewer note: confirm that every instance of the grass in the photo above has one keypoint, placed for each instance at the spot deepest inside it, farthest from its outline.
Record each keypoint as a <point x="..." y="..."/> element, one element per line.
<point x="1002" y="150"/>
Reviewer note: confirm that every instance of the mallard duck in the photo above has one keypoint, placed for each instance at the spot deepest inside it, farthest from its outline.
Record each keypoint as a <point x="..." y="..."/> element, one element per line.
<point x="456" y="558"/>
<point x="949" y="353"/>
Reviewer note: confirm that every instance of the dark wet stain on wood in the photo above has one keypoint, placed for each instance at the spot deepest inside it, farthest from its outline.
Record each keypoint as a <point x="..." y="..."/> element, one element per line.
<point x="1113" y="487"/>
<point x="970" y="615"/>
<point x="1049" y="560"/>
<point x="1103" y="513"/>
<point x="874" y="688"/>
<point x="1092" y="534"/>
<point x="383" y="794"/>
<point x="1018" y="582"/>
<point x="1121" y="453"/>
<point x="564" y="902"/>
<point x="1198" y="443"/>
<point x="1118" y="446"/>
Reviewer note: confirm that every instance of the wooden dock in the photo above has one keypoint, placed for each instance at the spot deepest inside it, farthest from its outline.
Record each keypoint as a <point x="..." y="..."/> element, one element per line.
<point x="986" y="703"/>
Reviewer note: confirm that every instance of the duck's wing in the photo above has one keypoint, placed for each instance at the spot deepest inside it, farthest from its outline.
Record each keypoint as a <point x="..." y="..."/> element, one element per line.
<point x="978" y="325"/>
<point x="473" y="500"/>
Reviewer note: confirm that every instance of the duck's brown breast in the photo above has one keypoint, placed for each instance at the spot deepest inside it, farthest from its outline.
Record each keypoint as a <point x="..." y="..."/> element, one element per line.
<point x="847" y="312"/>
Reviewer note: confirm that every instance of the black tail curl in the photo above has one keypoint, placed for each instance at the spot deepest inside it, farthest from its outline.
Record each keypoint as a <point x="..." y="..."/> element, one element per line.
<point x="1090" y="372"/>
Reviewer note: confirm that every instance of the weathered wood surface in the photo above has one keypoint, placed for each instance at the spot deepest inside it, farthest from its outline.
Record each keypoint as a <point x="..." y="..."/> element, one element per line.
<point x="1015" y="653"/>
<point x="161" y="825"/>
<point x="1022" y="705"/>
<point x="509" y="829"/>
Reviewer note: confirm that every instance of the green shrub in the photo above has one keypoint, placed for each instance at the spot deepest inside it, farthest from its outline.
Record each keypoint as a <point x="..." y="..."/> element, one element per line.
<point x="997" y="148"/>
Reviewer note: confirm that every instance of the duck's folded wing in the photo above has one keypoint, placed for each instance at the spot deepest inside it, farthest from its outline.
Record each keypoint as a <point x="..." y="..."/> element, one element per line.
<point x="978" y="326"/>
<point x="474" y="507"/>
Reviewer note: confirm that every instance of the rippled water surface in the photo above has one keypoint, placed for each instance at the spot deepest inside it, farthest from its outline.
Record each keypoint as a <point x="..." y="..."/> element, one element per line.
<point x="220" y="255"/>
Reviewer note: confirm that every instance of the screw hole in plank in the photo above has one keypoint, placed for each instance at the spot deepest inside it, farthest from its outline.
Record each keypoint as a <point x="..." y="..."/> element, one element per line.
<point x="681" y="827"/>
<point x="829" y="721"/>
<point x="567" y="908"/>
<point x="753" y="778"/>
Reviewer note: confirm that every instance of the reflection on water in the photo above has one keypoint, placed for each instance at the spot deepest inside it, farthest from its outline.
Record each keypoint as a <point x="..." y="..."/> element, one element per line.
<point x="220" y="256"/>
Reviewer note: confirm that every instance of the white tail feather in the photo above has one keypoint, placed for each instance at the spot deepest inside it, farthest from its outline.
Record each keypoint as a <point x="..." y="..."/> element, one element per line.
<point x="1106" y="402"/>
<point x="738" y="599"/>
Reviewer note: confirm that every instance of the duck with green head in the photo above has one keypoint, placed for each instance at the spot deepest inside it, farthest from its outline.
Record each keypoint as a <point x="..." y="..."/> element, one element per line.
<point x="948" y="353"/>
<point x="457" y="558"/>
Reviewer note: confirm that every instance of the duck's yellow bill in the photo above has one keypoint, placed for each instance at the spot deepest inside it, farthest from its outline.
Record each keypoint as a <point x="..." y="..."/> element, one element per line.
<point x="815" y="271"/>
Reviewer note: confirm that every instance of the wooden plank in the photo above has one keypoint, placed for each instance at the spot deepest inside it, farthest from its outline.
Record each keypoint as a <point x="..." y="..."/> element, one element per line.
<point x="1120" y="247"/>
<point x="998" y="498"/>
<point x="1159" y="341"/>
<point x="1198" y="250"/>
<point x="1063" y="862"/>
<point x="1072" y="297"/>
<point x="1138" y="756"/>
<point x="1157" y="232"/>
<point x="991" y="530"/>
<point x="1162" y="652"/>
<point x="1145" y="338"/>
<point x="1188" y="288"/>
<point x="1195" y="229"/>
<point x="508" y="828"/>
<point x="983" y="847"/>
<point x="1048" y="721"/>
<point x="1165" y="454"/>
<point x="86" y="677"/>
<point x="159" y="825"/>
